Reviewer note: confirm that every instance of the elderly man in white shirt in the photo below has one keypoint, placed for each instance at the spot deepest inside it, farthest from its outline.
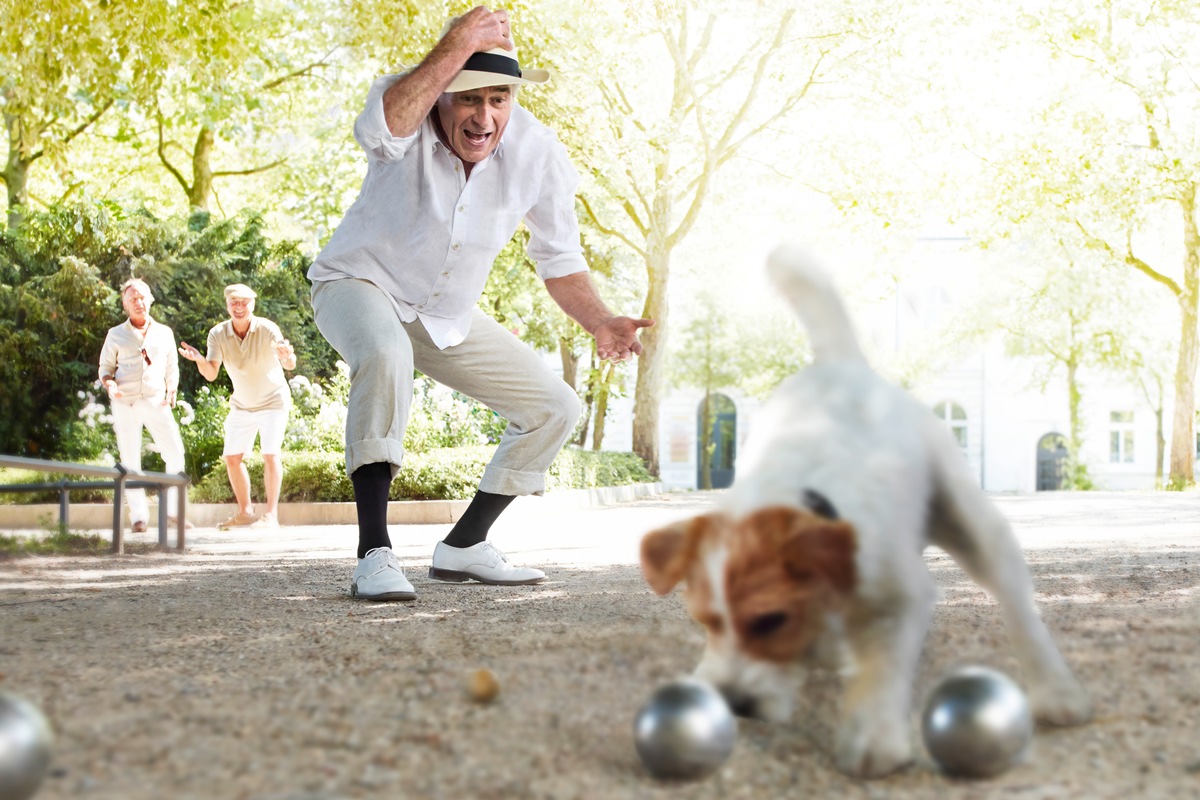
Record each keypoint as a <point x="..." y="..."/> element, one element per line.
<point x="454" y="165"/>
<point x="139" y="368"/>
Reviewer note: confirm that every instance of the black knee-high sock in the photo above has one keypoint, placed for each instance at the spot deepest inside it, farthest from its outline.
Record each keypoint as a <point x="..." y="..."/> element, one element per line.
<point x="371" y="483"/>
<point x="472" y="527"/>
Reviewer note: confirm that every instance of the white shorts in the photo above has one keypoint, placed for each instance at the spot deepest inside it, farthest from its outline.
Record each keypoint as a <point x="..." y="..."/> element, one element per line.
<point x="242" y="426"/>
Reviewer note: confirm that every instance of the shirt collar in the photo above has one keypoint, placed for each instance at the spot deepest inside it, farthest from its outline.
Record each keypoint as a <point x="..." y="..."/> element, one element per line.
<point x="140" y="331"/>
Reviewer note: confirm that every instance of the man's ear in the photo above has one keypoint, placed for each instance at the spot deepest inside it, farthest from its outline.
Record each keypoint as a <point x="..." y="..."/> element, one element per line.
<point x="667" y="553"/>
<point x="824" y="549"/>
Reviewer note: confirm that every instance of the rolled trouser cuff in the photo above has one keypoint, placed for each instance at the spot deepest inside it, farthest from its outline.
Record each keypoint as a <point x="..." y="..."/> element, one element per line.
<point x="511" y="482"/>
<point x="372" y="451"/>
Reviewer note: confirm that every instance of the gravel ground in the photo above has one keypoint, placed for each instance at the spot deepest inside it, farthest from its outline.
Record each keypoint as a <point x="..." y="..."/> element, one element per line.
<point x="242" y="669"/>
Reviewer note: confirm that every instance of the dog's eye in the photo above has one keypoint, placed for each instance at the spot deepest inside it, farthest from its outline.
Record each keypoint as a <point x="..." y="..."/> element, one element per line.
<point x="766" y="624"/>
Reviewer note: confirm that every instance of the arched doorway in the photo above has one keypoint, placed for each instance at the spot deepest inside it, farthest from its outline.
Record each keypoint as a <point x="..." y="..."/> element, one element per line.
<point x="1051" y="462"/>
<point x="716" y="431"/>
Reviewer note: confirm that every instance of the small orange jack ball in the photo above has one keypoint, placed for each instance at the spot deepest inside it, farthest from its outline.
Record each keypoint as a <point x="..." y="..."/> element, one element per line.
<point x="483" y="686"/>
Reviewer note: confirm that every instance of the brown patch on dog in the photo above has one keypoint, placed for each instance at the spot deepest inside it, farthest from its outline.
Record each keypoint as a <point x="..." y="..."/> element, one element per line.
<point x="668" y="553"/>
<point x="786" y="569"/>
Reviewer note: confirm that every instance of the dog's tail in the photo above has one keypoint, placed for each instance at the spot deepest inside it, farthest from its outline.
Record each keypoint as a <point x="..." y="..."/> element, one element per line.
<point x="811" y="292"/>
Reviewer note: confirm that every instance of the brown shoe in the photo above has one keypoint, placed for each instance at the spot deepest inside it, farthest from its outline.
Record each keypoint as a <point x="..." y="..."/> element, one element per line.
<point x="238" y="520"/>
<point x="172" y="523"/>
<point x="139" y="527"/>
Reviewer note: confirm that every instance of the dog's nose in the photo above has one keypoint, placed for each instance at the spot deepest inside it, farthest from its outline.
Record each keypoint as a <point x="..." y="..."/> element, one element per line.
<point x="740" y="703"/>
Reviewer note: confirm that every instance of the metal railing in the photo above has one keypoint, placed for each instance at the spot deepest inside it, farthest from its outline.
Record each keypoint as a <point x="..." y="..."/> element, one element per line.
<point x="119" y="479"/>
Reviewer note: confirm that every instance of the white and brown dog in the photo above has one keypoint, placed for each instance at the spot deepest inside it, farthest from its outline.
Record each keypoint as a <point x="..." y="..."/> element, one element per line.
<point x="817" y="547"/>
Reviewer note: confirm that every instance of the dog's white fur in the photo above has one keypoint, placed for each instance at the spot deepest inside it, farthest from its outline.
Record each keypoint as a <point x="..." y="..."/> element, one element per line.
<point x="894" y="473"/>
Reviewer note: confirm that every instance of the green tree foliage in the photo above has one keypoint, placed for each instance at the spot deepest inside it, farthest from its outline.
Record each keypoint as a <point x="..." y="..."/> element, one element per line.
<point x="63" y="66"/>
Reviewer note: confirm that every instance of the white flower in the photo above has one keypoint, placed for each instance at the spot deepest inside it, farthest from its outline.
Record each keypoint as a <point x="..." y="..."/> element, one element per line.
<point x="82" y="395"/>
<point x="187" y="414"/>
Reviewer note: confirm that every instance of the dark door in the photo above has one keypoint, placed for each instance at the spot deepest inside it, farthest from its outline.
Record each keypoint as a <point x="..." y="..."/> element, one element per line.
<point x="1051" y="462"/>
<point x="720" y="437"/>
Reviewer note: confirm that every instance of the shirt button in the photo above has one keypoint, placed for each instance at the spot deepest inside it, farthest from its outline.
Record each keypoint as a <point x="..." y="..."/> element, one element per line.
<point x="445" y="274"/>
<point x="462" y="208"/>
<point x="455" y="246"/>
<point x="437" y="294"/>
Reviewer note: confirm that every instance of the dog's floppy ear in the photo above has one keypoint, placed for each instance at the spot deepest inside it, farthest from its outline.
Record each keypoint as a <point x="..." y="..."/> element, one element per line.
<point x="667" y="552"/>
<point x="824" y="548"/>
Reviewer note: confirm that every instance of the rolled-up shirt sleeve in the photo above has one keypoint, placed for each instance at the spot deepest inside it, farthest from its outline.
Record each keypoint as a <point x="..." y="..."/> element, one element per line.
<point x="553" y="224"/>
<point x="371" y="130"/>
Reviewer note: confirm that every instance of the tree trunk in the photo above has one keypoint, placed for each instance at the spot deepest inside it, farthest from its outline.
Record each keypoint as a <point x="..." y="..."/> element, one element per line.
<point x="1074" y="401"/>
<point x="602" y="394"/>
<point x="1183" y="427"/>
<point x="589" y="397"/>
<point x="651" y="367"/>
<point x="1161" y="447"/>
<point x="202" y="174"/>
<point x="16" y="174"/>
<point x="570" y="360"/>
<point x="706" y="444"/>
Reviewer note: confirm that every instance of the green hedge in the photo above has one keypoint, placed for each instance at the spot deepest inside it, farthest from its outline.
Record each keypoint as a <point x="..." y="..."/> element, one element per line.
<point x="445" y="474"/>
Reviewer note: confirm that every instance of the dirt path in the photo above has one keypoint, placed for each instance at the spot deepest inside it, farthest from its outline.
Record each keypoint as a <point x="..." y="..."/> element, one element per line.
<point x="243" y="670"/>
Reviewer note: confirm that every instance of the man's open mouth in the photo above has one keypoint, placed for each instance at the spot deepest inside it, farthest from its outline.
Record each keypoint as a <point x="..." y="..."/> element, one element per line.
<point x="476" y="138"/>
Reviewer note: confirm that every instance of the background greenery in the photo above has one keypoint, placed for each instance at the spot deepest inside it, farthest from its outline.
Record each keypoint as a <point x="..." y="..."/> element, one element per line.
<point x="195" y="143"/>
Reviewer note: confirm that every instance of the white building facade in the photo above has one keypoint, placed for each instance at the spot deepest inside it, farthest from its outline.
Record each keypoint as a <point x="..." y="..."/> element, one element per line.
<point x="1012" y="433"/>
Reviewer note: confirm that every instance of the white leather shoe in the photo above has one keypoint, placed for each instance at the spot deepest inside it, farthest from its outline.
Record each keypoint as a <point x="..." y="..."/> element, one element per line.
<point x="378" y="577"/>
<point x="481" y="562"/>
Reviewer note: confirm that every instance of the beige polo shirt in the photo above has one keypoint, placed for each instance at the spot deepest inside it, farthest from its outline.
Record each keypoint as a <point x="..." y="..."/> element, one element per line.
<point x="258" y="380"/>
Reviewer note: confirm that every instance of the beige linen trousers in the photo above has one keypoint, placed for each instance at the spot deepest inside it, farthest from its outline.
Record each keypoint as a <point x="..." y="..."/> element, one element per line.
<point x="491" y="365"/>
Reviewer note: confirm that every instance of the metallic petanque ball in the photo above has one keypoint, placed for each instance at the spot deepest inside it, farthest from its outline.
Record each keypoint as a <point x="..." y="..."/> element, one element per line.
<point x="976" y="723"/>
<point x="25" y="741"/>
<point x="685" y="730"/>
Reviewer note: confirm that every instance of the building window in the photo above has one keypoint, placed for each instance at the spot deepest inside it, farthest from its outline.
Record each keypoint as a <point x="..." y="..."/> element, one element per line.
<point x="956" y="418"/>
<point x="1120" y="437"/>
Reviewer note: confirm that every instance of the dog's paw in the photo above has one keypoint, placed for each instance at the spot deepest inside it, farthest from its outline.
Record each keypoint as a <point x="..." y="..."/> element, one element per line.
<point x="873" y="748"/>
<point x="1061" y="703"/>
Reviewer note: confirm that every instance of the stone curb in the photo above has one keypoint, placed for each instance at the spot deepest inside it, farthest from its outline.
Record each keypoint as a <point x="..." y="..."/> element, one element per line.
<point x="96" y="516"/>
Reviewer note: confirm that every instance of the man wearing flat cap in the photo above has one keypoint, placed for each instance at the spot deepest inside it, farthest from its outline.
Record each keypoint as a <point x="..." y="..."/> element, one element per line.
<point x="454" y="165"/>
<point x="255" y="354"/>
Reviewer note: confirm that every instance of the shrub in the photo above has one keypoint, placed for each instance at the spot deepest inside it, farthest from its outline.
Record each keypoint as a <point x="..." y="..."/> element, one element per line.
<point x="441" y="474"/>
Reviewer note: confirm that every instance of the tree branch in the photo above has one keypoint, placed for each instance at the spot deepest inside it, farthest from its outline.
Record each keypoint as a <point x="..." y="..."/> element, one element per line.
<point x="251" y="170"/>
<point x="1129" y="259"/>
<point x="166" y="162"/>
<point x="607" y="231"/>
<point x="305" y="70"/>
<point x="722" y="150"/>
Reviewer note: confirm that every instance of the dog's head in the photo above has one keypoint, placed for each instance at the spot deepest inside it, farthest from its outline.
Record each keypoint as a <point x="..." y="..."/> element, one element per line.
<point x="762" y="587"/>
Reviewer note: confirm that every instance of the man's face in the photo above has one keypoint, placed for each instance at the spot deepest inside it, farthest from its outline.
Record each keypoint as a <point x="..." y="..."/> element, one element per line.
<point x="239" y="308"/>
<point x="136" y="304"/>
<point x="473" y="120"/>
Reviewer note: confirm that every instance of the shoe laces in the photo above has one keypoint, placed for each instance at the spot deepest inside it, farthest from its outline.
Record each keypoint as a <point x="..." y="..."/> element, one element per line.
<point x="499" y="553"/>
<point x="389" y="557"/>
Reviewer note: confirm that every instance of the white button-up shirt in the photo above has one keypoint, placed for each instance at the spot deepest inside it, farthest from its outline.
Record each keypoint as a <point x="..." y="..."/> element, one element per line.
<point x="427" y="236"/>
<point x="126" y="352"/>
